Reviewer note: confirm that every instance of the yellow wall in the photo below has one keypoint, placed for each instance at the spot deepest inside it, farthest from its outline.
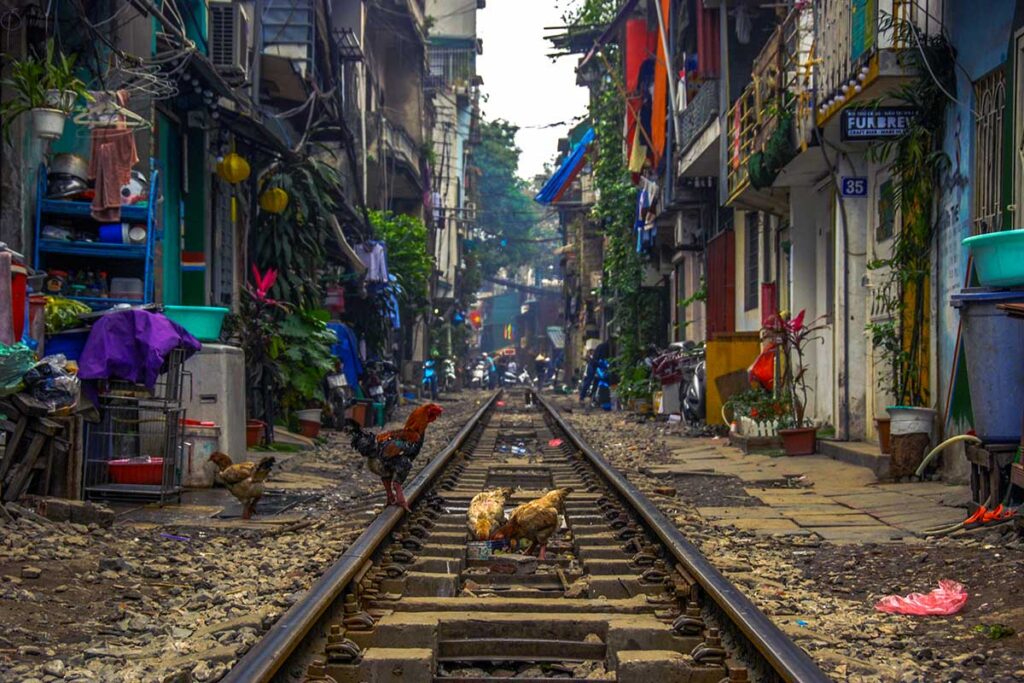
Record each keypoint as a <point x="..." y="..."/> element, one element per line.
<point x="727" y="353"/>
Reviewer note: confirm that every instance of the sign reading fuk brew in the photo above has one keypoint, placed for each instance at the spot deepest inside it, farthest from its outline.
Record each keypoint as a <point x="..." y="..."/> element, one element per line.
<point x="876" y="123"/>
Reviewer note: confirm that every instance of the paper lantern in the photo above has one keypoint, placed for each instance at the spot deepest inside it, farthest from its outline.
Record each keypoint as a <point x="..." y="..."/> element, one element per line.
<point x="274" y="200"/>
<point x="234" y="169"/>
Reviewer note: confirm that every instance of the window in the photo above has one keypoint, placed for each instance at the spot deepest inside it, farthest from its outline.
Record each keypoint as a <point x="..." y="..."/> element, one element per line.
<point x="750" y="285"/>
<point x="990" y="100"/>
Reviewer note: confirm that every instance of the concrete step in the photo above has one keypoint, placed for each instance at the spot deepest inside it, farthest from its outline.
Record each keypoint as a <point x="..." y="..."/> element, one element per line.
<point x="858" y="453"/>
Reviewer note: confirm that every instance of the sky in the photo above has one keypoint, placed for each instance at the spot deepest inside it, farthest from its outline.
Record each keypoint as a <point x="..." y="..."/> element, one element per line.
<point x="521" y="82"/>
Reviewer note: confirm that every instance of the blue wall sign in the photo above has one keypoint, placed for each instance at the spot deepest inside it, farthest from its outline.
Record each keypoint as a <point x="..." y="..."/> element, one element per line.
<point x="853" y="186"/>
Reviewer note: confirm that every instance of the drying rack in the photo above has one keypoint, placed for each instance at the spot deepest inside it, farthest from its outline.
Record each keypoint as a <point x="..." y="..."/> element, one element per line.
<point x="136" y="426"/>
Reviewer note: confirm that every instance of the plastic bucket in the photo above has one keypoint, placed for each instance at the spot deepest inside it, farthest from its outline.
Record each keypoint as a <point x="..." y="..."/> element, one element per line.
<point x="200" y="441"/>
<point x="253" y="432"/>
<point x="19" y="282"/>
<point x="910" y="420"/>
<point x="994" y="346"/>
<point x="998" y="258"/>
<point x="202" y="322"/>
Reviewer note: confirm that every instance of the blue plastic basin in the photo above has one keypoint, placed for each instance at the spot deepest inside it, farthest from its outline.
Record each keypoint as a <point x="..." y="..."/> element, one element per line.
<point x="998" y="258"/>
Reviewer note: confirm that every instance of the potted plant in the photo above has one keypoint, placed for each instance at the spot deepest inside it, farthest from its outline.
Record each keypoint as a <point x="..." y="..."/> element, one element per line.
<point x="45" y="88"/>
<point x="63" y="87"/>
<point x="256" y="328"/>
<point x="790" y="337"/>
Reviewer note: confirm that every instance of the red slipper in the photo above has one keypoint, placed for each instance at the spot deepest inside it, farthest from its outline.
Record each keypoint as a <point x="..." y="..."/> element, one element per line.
<point x="977" y="516"/>
<point x="993" y="514"/>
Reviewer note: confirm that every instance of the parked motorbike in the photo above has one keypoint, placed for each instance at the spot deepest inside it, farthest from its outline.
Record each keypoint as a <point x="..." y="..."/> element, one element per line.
<point x="478" y="376"/>
<point x="429" y="381"/>
<point x="339" y="397"/>
<point x="693" y="388"/>
<point x="448" y="380"/>
<point x="382" y="385"/>
<point x="683" y="365"/>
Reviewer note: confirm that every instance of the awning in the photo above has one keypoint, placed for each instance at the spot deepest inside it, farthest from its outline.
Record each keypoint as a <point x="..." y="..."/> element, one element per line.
<point x="609" y="32"/>
<point x="566" y="173"/>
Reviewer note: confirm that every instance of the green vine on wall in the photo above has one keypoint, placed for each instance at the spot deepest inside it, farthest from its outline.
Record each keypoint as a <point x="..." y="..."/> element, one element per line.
<point x="636" y="311"/>
<point x="917" y="163"/>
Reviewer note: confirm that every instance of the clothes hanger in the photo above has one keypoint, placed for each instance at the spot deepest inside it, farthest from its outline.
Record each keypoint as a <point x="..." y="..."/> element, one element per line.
<point x="109" y="114"/>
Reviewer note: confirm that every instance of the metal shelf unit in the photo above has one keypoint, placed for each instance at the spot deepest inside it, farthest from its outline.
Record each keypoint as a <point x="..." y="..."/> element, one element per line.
<point x="133" y="260"/>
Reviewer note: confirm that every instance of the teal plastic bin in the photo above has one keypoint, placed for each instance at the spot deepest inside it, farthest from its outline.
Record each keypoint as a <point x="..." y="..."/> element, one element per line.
<point x="378" y="414"/>
<point x="202" y="322"/>
<point x="998" y="258"/>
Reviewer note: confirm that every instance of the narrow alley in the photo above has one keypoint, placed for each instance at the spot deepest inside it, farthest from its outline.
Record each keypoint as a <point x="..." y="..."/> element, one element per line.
<point x="437" y="341"/>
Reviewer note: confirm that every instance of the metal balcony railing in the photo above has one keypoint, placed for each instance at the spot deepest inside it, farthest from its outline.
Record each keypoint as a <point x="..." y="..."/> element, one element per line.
<point x="852" y="33"/>
<point x="455" y="66"/>
<point x="699" y="112"/>
<point x="781" y="86"/>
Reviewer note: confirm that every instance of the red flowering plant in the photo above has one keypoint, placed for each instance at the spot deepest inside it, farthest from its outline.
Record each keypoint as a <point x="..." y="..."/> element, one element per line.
<point x="790" y="337"/>
<point x="256" y="328"/>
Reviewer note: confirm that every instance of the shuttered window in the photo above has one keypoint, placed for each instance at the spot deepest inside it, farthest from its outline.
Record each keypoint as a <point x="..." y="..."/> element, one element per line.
<point x="990" y="103"/>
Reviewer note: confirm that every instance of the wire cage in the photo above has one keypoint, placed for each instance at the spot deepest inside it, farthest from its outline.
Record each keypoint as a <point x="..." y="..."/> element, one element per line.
<point x="135" y="449"/>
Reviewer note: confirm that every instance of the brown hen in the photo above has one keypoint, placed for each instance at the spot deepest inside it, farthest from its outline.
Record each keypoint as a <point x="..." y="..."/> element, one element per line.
<point x="244" y="480"/>
<point x="535" y="521"/>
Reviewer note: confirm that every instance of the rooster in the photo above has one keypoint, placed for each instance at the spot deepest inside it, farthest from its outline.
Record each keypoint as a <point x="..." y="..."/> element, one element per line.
<point x="535" y="521"/>
<point x="390" y="454"/>
<point x="487" y="512"/>
<point x="244" y="480"/>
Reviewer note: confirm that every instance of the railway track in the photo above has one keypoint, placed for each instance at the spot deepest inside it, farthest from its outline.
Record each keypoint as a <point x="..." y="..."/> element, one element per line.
<point x="622" y="595"/>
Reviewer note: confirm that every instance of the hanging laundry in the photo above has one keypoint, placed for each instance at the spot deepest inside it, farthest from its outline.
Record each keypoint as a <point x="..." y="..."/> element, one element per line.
<point x="374" y="257"/>
<point x="645" y="226"/>
<point x="111" y="160"/>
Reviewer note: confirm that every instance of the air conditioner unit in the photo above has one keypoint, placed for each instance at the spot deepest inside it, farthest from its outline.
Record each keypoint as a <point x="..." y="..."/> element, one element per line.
<point x="229" y="40"/>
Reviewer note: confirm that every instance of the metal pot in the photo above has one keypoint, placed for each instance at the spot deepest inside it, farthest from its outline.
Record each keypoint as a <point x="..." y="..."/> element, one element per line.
<point x="69" y="164"/>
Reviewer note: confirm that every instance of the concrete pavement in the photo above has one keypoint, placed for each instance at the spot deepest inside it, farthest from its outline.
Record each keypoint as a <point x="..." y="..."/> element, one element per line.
<point x="838" y="501"/>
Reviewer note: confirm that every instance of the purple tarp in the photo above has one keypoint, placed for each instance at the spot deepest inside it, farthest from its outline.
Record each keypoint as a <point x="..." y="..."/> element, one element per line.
<point x="132" y="346"/>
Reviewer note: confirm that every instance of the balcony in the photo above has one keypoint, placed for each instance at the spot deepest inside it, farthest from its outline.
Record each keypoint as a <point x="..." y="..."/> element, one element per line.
<point x="451" y="66"/>
<point x="858" y="48"/>
<point x="401" y="148"/>
<point x="772" y="117"/>
<point x="700" y="133"/>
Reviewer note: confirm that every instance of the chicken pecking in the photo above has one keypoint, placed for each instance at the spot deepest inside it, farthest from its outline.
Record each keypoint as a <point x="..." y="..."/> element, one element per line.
<point x="487" y="512"/>
<point x="535" y="521"/>
<point x="244" y="480"/>
<point x="389" y="455"/>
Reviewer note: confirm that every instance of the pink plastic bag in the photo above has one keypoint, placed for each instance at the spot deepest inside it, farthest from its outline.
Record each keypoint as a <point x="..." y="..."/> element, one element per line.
<point x="948" y="598"/>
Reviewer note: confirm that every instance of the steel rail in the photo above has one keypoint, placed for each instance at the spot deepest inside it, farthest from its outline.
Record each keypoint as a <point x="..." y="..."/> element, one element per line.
<point x="269" y="654"/>
<point x="785" y="656"/>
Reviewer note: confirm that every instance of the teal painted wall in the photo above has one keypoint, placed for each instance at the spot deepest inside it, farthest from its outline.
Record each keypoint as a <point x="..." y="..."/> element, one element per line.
<point x="169" y="163"/>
